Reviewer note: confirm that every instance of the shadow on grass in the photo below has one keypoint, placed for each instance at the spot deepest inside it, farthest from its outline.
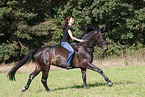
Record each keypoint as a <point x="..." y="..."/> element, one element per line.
<point x="89" y="86"/>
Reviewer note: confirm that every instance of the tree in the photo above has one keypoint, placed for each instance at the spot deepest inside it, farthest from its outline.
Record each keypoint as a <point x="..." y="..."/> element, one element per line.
<point x="28" y="24"/>
<point x="17" y="29"/>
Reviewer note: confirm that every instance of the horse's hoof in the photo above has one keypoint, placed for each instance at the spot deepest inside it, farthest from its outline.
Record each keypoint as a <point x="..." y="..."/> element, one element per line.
<point x="110" y="83"/>
<point x="23" y="90"/>
<point x="48" y="90"/>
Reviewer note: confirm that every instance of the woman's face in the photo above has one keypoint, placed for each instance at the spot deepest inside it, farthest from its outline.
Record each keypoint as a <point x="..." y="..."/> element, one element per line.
<point x="71" y="20"/>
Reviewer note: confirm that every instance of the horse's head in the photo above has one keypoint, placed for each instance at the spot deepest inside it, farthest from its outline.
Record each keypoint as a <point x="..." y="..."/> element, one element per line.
<point x="100" y="39"/>
<point x="96" y="37"/>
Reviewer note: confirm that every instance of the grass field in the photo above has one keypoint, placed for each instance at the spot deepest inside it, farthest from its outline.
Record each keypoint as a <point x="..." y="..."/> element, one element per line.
<point x="129" y="81"/>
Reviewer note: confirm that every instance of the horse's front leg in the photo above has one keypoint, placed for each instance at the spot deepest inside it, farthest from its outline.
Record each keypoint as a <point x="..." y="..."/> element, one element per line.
<point x="83" y="70"/>
<point x="94" y="68"/>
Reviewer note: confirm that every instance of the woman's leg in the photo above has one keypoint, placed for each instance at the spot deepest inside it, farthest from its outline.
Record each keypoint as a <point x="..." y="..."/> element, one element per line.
<point x="67" y="46"/>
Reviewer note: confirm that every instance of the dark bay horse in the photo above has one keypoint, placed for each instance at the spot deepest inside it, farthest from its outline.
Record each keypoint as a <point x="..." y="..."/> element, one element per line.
<point x="57" y="56"/>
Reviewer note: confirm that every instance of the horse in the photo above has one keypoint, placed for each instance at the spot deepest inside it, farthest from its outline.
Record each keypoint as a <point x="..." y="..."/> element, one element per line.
<point x="57" y="56"/>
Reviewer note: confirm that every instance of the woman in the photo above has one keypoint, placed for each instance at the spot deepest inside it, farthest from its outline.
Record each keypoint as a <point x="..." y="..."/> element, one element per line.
<point x="67" y="35"/>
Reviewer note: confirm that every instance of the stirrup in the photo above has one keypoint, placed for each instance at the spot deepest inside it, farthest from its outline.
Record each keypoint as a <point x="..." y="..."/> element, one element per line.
<point x="68" y="67"/>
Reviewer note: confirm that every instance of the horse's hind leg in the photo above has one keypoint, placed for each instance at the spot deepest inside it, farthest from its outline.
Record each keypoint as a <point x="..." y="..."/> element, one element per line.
<point x="31" y="77"/>
<point x="45" y="72"/>
<point x="44" y="79"/>
<point x="94" y="68"/>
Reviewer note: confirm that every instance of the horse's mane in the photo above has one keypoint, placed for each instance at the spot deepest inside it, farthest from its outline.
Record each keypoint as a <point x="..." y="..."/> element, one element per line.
<point x="89" y="35"/>
<point x="87" y="30"/>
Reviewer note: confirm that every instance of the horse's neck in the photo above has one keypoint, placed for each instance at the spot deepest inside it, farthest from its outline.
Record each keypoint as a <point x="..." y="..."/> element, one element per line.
<point x="81" y="49"/>
<point x="77" y="46"/>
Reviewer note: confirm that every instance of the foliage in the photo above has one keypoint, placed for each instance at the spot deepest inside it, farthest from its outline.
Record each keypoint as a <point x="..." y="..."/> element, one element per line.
<point x="28" y="24"/>
<point x="21" y="29"/>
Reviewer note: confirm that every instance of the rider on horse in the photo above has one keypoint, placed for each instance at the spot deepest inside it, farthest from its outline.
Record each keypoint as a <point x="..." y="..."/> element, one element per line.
<point x="67" y="35"/>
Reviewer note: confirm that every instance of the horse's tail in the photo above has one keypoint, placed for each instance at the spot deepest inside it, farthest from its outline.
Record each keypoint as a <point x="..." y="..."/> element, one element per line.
<point x="27" y="58"/>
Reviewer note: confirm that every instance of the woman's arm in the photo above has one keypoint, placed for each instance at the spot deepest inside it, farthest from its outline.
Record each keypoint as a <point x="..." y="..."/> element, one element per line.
<point x="73" y="38"/>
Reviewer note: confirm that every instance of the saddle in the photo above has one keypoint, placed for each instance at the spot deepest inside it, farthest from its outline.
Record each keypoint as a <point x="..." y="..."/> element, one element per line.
<point x="75" y="46"/>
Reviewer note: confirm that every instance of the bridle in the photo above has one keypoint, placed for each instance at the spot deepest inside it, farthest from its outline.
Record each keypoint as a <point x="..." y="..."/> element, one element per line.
<point x="100" y="39"/>
<point x="94" y="42"/>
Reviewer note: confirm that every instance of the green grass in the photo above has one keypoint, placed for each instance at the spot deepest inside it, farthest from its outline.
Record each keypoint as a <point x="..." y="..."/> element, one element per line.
<point x="129" y="81"/>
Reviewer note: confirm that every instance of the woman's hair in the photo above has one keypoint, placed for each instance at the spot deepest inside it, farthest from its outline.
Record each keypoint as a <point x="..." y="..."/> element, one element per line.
<point x="66" y="22"/>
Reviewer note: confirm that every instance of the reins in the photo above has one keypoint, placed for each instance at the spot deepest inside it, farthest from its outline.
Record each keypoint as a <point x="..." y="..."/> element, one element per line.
<point x="89" y="40"/>
<point x="93" y="42"/>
